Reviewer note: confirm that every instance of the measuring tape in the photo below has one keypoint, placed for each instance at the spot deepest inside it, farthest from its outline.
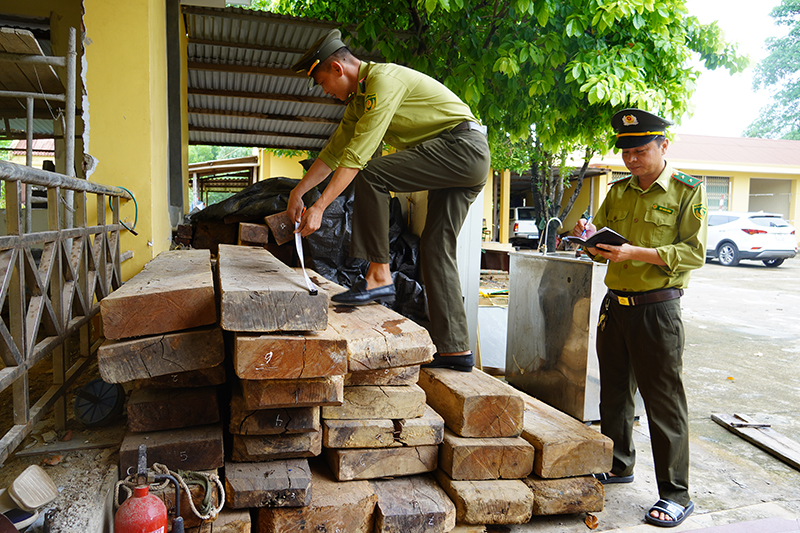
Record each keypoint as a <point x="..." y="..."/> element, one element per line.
<point x="298" y="242"/>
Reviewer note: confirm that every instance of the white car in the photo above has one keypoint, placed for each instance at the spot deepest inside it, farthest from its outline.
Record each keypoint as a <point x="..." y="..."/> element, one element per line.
<point x="733" y="236"/>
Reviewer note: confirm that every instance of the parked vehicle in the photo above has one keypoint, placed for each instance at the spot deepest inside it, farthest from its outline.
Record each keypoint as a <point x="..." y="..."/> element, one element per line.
<point x="524" y="228"/>
<point x="733" y="236"/>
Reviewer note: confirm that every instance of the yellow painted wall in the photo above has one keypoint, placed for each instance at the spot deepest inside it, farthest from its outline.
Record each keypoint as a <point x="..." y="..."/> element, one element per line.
<point x="272" y="166"/>
<point x="125" y="48"/>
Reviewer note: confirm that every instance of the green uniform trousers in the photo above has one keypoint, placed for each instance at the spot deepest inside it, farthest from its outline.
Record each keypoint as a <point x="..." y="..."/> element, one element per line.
<point x="643" y="345"/>
<point x="453" y="168"/>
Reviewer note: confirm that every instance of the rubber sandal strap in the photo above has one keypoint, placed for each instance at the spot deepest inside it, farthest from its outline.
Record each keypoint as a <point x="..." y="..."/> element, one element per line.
<point x="670" y="508"/>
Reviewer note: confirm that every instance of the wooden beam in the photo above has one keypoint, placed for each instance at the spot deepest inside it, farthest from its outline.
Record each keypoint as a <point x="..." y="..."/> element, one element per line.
<point x="289" y="356"/>
<point x="279" y="421"/>
<point x="473" y="404"/>
<point x="277" y="393"/>
<point x="566" y="496"/>
<point x="284" y="483"/>
<point x="490" y="458"/>
<point x="160" y="355"/>
<point x="260" y="294"/>
<point x="412" y="504"/>
<point x="378" y="402"/>
<point x="174" y="291"/>
<point x="259" y="448"/>
<point x="503" y="501"/>
<point x="156" y="410"/>
<point x="196" y="448"/>
<point x="377" y="463"/>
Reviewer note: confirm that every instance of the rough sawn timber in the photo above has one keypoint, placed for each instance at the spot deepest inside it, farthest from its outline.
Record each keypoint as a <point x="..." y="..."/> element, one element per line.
<point x="491" y="458"/>
<point x="155" y="410"/>
<point x="289" y="356"/>
<point x="378" y="402"/>
<point x="278" y="421"/>
<point x="174" y="291"/>
<point x="500" y="501"/>
<point x="473" y="404"/>
<point x="376" y="336"/>
<point x="415" y="504"/>
<point x="568" y="495"/>
<point x="258" y="293"/>
<point x="258" y="448"/>
<point x="276" y="393"/>
<point x="195" y="448"/>
<point x="345" y="507"/>
<point x="160" y="355"/>
<point x="284" y="483"/>
<point x="564" y="446"/>
<point x="381" y="462"/>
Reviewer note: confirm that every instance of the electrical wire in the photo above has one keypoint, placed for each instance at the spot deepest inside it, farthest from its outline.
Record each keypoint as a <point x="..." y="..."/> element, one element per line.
<point x="136" y="216"/>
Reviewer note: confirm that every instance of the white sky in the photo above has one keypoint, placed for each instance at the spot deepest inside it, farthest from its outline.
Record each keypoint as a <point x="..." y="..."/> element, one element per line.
<point x="724" y="104"/>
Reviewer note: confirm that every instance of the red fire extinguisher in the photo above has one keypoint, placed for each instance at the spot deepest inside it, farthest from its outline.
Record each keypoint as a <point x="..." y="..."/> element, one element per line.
<point x="144" y="512"/>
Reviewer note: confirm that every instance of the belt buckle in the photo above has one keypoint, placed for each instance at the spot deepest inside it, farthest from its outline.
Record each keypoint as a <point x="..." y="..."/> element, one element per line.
<point x="623" y="300"/>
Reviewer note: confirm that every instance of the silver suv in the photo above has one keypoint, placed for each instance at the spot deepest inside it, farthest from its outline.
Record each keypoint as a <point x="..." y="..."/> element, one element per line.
<point x="733" y="236"/>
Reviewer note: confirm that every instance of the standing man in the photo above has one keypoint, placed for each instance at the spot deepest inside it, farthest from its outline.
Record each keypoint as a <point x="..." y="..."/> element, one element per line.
<point x="640" y="334"/>
<point x="441" y="149"/>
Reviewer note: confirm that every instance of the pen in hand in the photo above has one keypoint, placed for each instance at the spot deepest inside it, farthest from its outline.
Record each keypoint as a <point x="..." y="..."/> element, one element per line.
<point x="585" y="227"/>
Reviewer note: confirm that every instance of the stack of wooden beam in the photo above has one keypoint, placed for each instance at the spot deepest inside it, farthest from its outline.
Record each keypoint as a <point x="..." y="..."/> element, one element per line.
<point x="162" y="340"/>
<point x="288" y="363"/>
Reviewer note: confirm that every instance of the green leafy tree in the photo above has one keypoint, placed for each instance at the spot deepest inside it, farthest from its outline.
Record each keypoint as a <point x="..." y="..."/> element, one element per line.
<point x="780" y="70"/>
<point x="548" y="73"/>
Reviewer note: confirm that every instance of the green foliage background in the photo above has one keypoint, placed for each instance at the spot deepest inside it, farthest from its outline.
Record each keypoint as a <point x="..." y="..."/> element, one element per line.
<point x="780" y="70"/>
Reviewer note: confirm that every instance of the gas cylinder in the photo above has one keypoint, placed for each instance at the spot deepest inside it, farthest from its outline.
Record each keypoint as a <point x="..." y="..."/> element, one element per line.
<point x="141" y="513"/>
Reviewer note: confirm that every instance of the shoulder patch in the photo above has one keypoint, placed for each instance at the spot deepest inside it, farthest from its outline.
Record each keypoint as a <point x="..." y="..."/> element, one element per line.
<point x="623" y="178"/>
<point x="686" y="179"/>
<point x="370" y="101"/>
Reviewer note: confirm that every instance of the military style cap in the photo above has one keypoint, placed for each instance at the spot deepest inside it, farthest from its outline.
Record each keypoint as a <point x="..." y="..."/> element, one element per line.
<point x="635" y="127"/>
<point x="319" y="52"/>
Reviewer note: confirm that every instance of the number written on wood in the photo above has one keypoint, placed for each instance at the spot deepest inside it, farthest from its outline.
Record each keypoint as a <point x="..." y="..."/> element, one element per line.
<point x="265" y="364"/>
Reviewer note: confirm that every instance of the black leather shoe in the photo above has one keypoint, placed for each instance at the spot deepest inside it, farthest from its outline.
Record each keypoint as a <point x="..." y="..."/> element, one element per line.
<point x="462" y="363"/>
<point x="358" y="294"/>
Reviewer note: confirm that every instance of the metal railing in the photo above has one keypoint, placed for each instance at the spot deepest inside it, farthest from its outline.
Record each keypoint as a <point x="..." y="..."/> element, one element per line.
<point x="52" y="300"/>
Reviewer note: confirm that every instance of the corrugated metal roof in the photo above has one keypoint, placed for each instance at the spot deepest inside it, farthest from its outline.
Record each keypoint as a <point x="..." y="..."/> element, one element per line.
<point x="241" y="89"/>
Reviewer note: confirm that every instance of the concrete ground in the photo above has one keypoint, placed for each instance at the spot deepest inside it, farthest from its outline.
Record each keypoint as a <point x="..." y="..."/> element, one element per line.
<point x="742" y="356"/>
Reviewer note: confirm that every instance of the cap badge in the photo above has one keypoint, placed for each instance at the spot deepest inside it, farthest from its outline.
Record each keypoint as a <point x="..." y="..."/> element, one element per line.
<point x="629" y="120"/>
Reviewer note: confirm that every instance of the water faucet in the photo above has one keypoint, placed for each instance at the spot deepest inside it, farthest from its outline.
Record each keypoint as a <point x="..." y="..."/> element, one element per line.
<point x="543" y="247"/>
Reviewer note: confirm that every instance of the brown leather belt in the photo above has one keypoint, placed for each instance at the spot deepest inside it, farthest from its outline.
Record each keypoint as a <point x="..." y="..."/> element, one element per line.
<point x="469" y="125"/>
<point x="651" y="297"/>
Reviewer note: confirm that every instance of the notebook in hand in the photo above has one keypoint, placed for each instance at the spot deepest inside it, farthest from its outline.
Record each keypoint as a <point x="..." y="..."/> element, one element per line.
<point x="601" y="236"/>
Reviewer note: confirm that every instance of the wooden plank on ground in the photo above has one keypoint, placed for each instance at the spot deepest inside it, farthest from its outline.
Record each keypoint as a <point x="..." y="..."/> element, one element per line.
<point x="228" y="521"/>
<point x="261" y="294"/>
<point x="276" y="393"/>
<point x="503" y="501"/>
<point x="284" y="483"/>
<point x="378" y="402"/>
<point x="377" y="337"/>
<point x="412" y="504"/>
<point x="160" y="355"/>
<point x="174" y="291"/>
<point x="290" y="355"/>
<point x="154" y="410"/>
<point x="260" y="448"/>
<point x="196" y="448"/>
<point x="281" y="226"/>
<point x="198" y="494"/>
<point x="485" y="458"/>
<point x="381" y="462"/>
<point x="564" y="446"/>
<point x="203" y="377"/>
<point x="345" y="507"/>
<point x="402" y="375"/>
<point x="473" y="404"/>
<point x="569" y="495"/>
<point x="271" y="421"/>
<point x="255" y="233"/>
<point x="766" y="438"/>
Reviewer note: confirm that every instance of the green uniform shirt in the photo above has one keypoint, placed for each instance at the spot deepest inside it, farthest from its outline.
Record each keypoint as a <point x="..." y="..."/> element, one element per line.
<point x="396" y="104"/>
<point x="670" y="216"/>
